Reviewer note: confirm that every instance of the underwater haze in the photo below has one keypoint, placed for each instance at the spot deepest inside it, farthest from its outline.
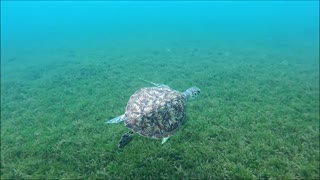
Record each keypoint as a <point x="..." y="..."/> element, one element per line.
<point x="67" y="67"/>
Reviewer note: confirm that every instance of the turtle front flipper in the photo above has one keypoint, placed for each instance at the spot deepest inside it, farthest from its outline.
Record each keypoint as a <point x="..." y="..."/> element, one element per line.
<point x="156" y="84"/>
<point x="115" y="120"/>
<point x="125" y="139"/>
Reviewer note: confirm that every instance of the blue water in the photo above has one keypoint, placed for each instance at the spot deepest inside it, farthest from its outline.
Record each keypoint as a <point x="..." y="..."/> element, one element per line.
<point x="96" y="24"/>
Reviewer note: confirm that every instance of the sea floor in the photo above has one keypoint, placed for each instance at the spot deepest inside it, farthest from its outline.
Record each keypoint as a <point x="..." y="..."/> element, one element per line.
<point x="257" y="115"/>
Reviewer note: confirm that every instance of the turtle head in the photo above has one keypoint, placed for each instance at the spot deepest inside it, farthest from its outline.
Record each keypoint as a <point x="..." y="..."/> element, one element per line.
<point x="191" y="93"/>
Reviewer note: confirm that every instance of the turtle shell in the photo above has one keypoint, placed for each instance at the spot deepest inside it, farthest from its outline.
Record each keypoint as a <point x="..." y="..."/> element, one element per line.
<point x="155" y="112"/>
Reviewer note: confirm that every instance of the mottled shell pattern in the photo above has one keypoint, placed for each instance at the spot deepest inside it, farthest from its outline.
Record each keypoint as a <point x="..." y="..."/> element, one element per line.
<point x="155" y="112"/>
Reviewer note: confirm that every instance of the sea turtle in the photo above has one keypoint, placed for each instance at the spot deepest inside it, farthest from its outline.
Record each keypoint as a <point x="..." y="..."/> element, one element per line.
<point x="155" y="112"/>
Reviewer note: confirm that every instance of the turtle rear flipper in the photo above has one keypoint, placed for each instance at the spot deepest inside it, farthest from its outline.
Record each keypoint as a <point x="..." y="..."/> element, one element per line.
<point x="125" y="139"/>
<point x="115" y="120"/>
<point x="164" y="140"/>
